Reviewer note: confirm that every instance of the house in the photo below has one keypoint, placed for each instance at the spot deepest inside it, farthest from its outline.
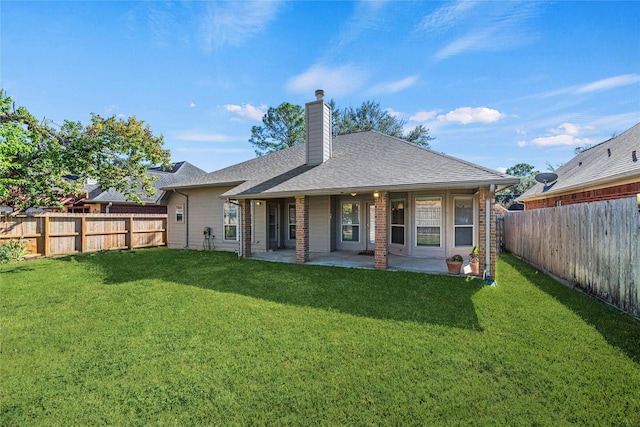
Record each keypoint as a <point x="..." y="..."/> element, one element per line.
<point x="609" y="170"/>
<point x="97" y="200"/>
<point x="363" y="191"/>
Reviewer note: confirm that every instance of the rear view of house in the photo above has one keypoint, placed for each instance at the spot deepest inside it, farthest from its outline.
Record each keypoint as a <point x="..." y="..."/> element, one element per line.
<point x="363" y="191"/>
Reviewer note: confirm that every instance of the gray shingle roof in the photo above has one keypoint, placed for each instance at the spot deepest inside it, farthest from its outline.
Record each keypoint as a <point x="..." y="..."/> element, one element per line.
<point x="360" y="161"/>
<point x="608" y="161"/>
<point x="181" y="171"/>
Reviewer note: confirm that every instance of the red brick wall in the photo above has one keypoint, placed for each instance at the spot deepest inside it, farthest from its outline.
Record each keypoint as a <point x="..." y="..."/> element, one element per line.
<point x="608" y="193"/>
<point x="382" y="228"/>
<point x="302" y="229"/>
<point x="482" y="197"/>
<point x="245" y="208"/>
<point x="138" y="209"/>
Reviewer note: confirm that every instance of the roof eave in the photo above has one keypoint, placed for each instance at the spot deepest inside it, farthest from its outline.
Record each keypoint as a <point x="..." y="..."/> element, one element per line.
<point x="370" y="189"/>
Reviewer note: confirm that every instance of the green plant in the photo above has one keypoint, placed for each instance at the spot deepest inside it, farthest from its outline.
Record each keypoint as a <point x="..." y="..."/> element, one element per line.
<point x="13" y="250"/>
<point x="475" y="253"/>
<point x="455" y="258"/>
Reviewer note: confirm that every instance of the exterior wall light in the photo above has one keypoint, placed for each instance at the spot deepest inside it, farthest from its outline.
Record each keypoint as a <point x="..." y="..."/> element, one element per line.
<point x="376" y="194"/>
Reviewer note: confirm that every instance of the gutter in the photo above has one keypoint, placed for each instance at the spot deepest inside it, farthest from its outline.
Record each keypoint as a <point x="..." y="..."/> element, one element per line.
<point x="186" y="218"/>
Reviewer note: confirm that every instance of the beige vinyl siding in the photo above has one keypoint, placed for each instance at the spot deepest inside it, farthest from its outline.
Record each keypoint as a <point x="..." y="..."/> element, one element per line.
<point x="205" y="210"/>
<point x="318" y="118"/>
<point x="320" y="224"/>
<point x="176" y="230"/>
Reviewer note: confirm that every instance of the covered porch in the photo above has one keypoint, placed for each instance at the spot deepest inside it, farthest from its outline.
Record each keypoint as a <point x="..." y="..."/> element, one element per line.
<point x="355" y="259"/>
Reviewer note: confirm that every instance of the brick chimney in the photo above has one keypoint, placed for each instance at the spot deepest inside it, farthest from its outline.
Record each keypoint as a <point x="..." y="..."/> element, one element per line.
<point x="318" y="127"/>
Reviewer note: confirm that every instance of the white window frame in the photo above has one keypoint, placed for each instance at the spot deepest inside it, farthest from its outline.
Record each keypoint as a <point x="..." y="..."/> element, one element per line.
<point x="403" y="225"/>
<point x="416" y="225"/>
<point x="473" y="220"/>
<point x="291" y="220"/>
<point x="228" y="207"/>
<point x="179" y="218"/>
<point x="342" y="224"/>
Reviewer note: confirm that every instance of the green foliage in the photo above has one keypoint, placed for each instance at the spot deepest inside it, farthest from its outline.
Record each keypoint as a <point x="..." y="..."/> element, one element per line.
<point x="370" y="116"/>
<point x="282" y="127"/>
<point x="526" y="173"/>
<point x="36" y="156"/>
<point x="170" y="337"/>
<point x="12" y="250"/>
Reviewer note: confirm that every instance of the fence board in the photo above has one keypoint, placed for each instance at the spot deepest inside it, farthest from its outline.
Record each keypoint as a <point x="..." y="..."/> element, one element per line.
<point x="595" y="246"/>
<point x="60" y="234"/>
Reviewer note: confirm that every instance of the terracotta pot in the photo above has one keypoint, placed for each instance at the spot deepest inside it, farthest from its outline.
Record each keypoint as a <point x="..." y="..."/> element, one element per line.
<point x="475" y="267"/>
<point x="454" y="266"/>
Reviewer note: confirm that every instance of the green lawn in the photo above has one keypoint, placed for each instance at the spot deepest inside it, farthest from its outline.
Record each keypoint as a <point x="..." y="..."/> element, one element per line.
<point x="169" y="337"/>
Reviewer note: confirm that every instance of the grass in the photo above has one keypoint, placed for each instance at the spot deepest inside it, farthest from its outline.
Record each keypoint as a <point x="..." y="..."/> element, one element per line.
<point x="168" y="337"/>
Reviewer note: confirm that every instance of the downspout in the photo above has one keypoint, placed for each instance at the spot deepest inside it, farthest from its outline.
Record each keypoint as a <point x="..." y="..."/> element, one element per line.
<point x="108" y="207"/>
<point x="487" y="252"/>
<point x="186" y="219"/>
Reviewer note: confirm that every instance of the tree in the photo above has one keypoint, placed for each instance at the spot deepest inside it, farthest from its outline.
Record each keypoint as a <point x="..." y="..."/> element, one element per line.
<point x="36" y="156"/>
<point x="526" y="173"/>
<point x="369" y="116"/>
<point x="283" y="126"/>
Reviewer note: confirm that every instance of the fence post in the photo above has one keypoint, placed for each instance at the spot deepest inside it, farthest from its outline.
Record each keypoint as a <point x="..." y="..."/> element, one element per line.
<point x="130" y="233"/>
<point x="83" y="232"/>
<point x="45" y="235"/>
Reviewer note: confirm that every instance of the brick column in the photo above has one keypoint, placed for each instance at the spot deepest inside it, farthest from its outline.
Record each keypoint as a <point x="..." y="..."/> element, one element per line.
<point x="245" y="208"/>
<point x="382" y="228"/>
<point x="482" y="202"/>
<point x="302" y="229"/>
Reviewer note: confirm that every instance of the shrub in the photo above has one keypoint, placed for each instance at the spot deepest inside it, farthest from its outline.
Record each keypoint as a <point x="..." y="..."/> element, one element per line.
<point x="12" y="250"/>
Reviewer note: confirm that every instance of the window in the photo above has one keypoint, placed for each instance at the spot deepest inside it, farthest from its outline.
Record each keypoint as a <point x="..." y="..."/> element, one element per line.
<point x="230" y="221"/>
<point x="350" y="221"/>
<point x="397" y="222"/>
<point x="428" y="221"/>
<point x="463" y="221"/>
<point x="180" y="213"/>
<point x="292" y="222"/>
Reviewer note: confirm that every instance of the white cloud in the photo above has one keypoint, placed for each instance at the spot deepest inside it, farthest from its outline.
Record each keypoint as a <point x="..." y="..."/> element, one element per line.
<point x="193" y="104"/>
<point x="233" y="23"/>
<point x="610" y="83"/>
<point x="522" y="144"/>
<point x="567" y="134"/>
<point x="501" y="169"/>
<point x="336" y="82"/>
<point x="423" y="116"/>
<point x="494" y="26"/>
<point x="396" y="86"/>
<point x="598" y="85"/>
<point x="447" y="16"/>
<point x="196" y="136"/>
<point x="247" y="110"/>
<point x="467" y="115"/>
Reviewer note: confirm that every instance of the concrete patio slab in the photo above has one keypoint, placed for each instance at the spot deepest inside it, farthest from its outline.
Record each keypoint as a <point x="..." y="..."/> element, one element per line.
<point x="355" y="260"/>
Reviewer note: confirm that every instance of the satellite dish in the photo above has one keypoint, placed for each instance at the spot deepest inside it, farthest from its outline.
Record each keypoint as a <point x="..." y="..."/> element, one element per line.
<point x="546" y="177"/>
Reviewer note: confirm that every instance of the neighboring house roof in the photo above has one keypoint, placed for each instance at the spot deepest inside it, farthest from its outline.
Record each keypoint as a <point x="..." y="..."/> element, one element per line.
<point x="180" y="171"/>
<point x="608" y="162"/>
<point x="360" y="161"/>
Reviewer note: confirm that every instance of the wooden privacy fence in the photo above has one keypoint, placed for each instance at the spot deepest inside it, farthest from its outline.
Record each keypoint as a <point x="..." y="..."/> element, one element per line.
<point x="595" y="246"/>
<point x="61" y="233"/>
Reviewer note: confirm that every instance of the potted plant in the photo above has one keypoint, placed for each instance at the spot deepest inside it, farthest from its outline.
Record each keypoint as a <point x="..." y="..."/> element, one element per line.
<point x="454" y="264"/>
<point x="474" y="261"/>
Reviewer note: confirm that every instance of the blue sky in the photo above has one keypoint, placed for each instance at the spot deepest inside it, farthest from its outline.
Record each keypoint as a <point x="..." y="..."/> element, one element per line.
<point x="497" y="83"/>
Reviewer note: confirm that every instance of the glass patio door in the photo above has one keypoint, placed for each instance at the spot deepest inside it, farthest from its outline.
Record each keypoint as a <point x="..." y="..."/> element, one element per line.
<point x="273" y="224"/>
<point x="371" y="226"/>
